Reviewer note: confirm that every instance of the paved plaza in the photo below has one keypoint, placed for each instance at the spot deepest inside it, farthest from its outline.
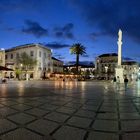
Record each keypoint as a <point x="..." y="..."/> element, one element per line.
<point x="57" y="110"/>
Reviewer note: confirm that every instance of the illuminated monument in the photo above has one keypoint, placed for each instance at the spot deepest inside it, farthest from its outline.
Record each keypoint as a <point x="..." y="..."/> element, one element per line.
<point x="119" y="70"/>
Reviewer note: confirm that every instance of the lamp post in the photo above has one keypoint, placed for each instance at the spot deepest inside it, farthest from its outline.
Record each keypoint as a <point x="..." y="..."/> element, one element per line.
<point x="106" y="71"/>
<point x="135" y="73"/>
<point x="21" y="65"/>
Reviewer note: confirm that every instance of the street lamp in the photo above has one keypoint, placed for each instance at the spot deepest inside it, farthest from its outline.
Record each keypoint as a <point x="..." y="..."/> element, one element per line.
<point x="21" y="65"/>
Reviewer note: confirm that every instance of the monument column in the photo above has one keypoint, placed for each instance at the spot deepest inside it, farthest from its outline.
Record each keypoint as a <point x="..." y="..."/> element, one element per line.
<point x="119" y="48"/>
<point x="119" y="70"/>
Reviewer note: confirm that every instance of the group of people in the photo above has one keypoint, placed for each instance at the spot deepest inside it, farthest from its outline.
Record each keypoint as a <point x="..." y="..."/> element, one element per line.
<point x="116" y="81"/>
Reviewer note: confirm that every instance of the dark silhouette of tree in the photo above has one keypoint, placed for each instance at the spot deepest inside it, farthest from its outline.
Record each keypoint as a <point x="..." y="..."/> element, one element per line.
<point x="78" y="50"/>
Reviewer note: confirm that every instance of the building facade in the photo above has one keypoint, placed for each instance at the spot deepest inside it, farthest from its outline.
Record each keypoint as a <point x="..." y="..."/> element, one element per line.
<point x="37" y="52"/>
<point x="85" y="70"/>
<point x="57" y="65"/>
<point x="131" y="69"/>
<point x="2" y="57"/>
<point x="106" y="63"/>
<point x="2" y="61"/>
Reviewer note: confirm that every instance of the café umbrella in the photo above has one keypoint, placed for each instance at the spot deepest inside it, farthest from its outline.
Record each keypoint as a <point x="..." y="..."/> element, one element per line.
<point x="5" y="69"/>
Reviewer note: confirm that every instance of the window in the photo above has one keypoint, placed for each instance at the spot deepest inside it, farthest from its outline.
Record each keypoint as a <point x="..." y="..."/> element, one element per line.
<point x="6" y="56"/>
<point x="11" y="56"/>
<point x="31" y="53"/>
<point x="44" y="55"/>
<point x="49" y="56"/>
<point x="39" y="53"/>
<point x="17" y="55"/>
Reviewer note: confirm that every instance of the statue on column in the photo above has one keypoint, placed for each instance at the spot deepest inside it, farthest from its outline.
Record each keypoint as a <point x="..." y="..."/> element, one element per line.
<point x="119" y="69"/>
<point x="120" y="35"/>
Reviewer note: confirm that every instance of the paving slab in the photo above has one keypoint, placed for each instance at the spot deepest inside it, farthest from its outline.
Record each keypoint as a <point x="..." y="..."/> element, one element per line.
<point x="55" y="116"/>
<point x="6" y="126"/>
<point x="69" y="133"/>
<point x="131" y="136"/>
<point x="129" y="116"/>
<point x="85" y="113"/>
<point x="106" y="115"/>
<point x="37" y="112"/>
<point x="42" y="126"/>
<point x="21" y="134"/>
<point x="69" y="111"/>
<point x="21" y="118"/>
<point x="21" y="107"/>
<point x="102" y="136"/>
<point x="79" y="122"/>
<point x="5" y="111"/>
<point x="105" y="125"/>
<point x="66" y="110"/>
<point x="130" y="125"/>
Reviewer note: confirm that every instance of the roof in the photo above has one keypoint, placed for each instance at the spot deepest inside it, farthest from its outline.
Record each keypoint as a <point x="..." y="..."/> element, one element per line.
<point x="129" y="63"/>
<point x="56" y="59"/>
<point x="82" y="65"/>
<point x="27" y="46"/>
<point x="108" y="54"/>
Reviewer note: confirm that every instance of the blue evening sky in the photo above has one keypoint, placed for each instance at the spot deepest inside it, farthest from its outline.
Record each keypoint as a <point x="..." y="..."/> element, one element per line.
<point x="61" y="23"/>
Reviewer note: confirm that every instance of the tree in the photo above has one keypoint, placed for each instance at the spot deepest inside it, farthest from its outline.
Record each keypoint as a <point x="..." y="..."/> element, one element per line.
<point x="27" y="61"/>
<point x="78" y="50"/>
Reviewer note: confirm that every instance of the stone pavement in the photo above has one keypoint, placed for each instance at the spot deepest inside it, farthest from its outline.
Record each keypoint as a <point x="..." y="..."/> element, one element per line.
<point x="45" y="110"/>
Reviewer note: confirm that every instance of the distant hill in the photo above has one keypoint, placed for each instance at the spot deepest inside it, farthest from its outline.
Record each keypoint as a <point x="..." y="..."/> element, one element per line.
<point x="87" y="63"/>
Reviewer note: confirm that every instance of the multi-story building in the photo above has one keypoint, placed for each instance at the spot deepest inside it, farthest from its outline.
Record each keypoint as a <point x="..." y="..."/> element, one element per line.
<point x="57" y="65"/>
<point x="84" y="69"/>
<point x="2" y="61"/>
<point x="2" y="57"/>
<point x="131" y="69"/>
<point x="106" y="63"/>
<point x="38" y="52"/>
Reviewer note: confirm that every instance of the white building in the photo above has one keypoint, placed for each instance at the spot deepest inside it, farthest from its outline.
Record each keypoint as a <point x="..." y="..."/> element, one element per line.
<point x="38" y="52"/>
<point x="2" y="57"/>
<point x="106" y="64"/>
<point x="57" y="65"/>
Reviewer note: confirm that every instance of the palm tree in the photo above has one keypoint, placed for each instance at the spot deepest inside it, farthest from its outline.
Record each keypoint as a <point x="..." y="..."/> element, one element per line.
<point x="78" y="50"/>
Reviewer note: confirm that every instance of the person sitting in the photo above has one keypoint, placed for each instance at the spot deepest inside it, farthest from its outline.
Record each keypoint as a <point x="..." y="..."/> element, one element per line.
<point x="4" y="80"/>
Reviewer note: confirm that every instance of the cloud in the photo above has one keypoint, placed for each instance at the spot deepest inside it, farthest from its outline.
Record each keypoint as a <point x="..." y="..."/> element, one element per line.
<point x="87" y="63"/>
<point x="58" y="56"/>
<point x="110" y="15"/>
<point x="35" y="29"/>
<point x="56" y="45"/>
<point x="65" y="31"/>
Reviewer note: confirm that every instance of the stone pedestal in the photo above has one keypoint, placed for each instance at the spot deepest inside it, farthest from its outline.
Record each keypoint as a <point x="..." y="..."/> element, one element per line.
<point x="120" y="73"/>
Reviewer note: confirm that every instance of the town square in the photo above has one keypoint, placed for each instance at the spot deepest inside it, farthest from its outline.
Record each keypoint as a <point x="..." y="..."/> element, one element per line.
<point x="69" y="70"/>
<point x="69" y="110"/>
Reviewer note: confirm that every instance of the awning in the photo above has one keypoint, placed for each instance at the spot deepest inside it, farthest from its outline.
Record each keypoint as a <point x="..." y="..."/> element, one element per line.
<point x="5" y="69"/>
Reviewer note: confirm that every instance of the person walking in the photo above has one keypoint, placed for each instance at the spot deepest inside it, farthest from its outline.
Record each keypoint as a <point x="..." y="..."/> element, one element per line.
<point x="118" y="83"/>
<point x="125" y="82"/>
<point x="114" y="81"/>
